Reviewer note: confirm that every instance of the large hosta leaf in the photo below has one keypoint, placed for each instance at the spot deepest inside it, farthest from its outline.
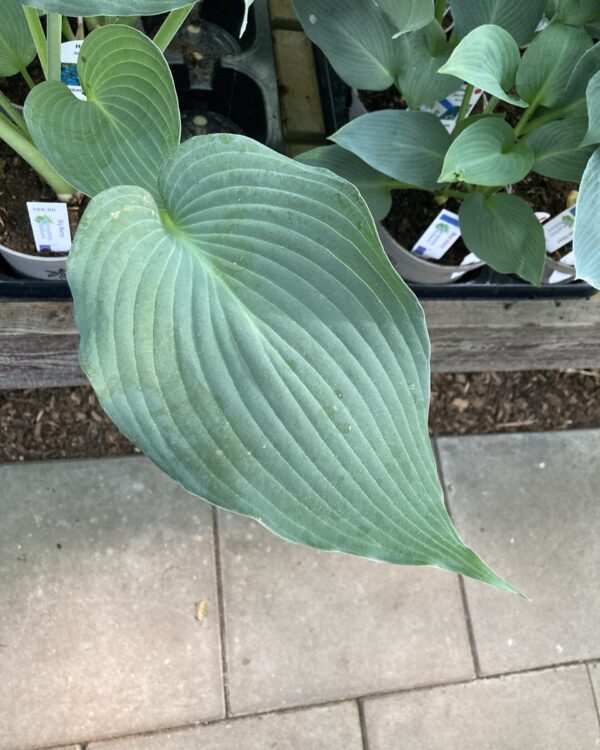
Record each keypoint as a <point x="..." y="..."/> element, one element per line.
<point x="408" y="146"/>
<point x="586" y="242"/>
<point x="254" y="341"/>
<point x="423" y="53"/>
<point x="488" y="57"/>
<point x="375" y="187"/>
<point x="558" y="151"/>
<point x="408" y="15"/>
<point x="356" y="36"/>
<point x="578" y="12"/>
<point x="130" y="124"/>
<point x="107" y="7"/>
<point x="519" y="17"/>
<point x="593" y="105"/>
<point x="503" y="231"/>
<point x="583" y="72"/>
<point x="548" y="64"/>
<point x="486" y="153"/>
<point x="17" y="49"/>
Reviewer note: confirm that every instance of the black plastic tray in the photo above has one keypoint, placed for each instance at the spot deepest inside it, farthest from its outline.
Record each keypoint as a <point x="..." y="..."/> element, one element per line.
<point x="244" y="90"/>
<point x="483" y="283"/>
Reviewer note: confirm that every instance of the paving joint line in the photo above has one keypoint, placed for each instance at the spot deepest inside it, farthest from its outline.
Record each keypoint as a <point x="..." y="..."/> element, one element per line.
<point x="461" y="581"/>
<point x="363" y="723"/>
<point x="335" y="702"/>
<point x="594" y="696"/>
<point x="221" y="612"/>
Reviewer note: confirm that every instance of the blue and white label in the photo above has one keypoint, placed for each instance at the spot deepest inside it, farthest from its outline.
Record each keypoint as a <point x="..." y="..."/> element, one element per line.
<point x="447" y="109"/>
<point x="50" y="226"/>
<point x="559" y="231"/>
<point x="439" y="237"/>
<point x="69" y="54"/>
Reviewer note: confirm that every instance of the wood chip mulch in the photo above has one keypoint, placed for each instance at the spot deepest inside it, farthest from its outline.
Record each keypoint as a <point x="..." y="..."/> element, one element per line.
<point x="53" y="423"/>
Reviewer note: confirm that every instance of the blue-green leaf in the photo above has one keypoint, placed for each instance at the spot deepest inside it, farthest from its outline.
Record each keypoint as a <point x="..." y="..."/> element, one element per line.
<point x="504" y="232"/>
<point x="593" y="104"/>
<point x="408" y="146"/>
<point x="254" y="341"/>
<point x="17" y="49"/>
<point x="519" y="17"/>
<point x="106" y="7"/>
<point x="585" y="242"/>
<point x="558" y="151"/>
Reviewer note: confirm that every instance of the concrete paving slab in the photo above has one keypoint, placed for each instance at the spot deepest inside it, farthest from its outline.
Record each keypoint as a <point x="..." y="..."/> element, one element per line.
<point x="595" y="677"/>
<point x="331" y="727"/>
<point x="529" y="504"/>
<point x="304" y="626"/>
<point x="538" y="711"/>
<point x="102" y="564"/>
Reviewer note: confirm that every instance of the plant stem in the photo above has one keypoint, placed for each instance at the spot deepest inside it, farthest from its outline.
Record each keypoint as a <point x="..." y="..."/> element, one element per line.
<point x="13" y="113"/>
<point x="450" y="193"/>
<point x="440" y="9"/>
<point x="171" y="25"/>
<point x="464" y="105"/>
<point x="29" y="153"/>
<point x="37" y="33"/>
<point x="491" y="105"/>
<point x="67" y="30"/>
<point x="28" y="79"/>
<point x="54" y="35"/>
<point x="554" y="114"/>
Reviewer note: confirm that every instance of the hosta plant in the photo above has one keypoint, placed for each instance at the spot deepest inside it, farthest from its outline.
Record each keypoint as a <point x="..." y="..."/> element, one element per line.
<point x="239" y="319"/>
<point x="542" y="60"/>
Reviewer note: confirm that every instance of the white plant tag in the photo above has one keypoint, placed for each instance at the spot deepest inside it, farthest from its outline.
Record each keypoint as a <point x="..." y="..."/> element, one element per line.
<point x="50" y="226"/>
<point x="559" y="230"/>
<point x="470" y="258"/>
<point x="69" y="53"/>
<point x="447" y="109"/>
<point x="542" y="216"/>
<point x="439" y="237"/>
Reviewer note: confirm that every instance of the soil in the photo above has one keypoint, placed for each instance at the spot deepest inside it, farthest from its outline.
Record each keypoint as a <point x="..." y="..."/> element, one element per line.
<point x="54" y="423"/>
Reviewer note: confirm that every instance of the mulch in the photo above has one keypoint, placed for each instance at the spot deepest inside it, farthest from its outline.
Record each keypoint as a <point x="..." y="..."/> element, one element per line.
<point x="51" y="423"/>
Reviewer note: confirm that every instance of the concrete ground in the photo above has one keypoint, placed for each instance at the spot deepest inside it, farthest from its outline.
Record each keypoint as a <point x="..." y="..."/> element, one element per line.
<point x="134" y="617"/>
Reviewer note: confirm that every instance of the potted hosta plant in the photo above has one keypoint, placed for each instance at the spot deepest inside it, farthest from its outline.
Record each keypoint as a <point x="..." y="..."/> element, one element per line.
<point x="488" y="178"/>
<point x="239" y="319"/>
<point x="40" y="209"/>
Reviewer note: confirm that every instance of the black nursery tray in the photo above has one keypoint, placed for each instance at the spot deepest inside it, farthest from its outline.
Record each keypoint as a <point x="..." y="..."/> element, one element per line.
<point x="233" y="89"/>
<point x="481" y="284"/>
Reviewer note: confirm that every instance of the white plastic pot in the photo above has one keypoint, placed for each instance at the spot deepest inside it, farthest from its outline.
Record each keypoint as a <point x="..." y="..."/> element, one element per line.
<point x="419" y="270"/>
<point x="36" y="266"/>
<point x="553" y="268"/>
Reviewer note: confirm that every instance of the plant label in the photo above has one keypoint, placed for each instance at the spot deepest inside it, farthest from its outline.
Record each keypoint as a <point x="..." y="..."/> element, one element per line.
<point x="557" y="276"/>
<point x="69" y="54"/>
<point x="559" y="230"/>
<point x="447" y="109"/>
<point x="50" y="226"/>
<point x="439" y="237"/>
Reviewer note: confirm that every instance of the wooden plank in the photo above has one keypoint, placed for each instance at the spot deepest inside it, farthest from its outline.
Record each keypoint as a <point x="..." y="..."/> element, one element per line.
<point x="38" y="345"/>
<point x="493" y="335"/>
<point x="39" y="341"/>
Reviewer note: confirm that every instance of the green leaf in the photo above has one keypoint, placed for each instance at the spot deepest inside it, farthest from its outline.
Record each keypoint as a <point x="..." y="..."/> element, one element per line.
<point x="374" y="186"/>
<point x="585" y="241"/>
<point x="585" y="69"/>
<point x="593" y="105"/>
<point x="557" y="149"/>
<point x="128" y="126"/>
<point x="106" y="7"/>
<point x="488" y="57"/>
<point x="548" y="63"/>
<point x="408" y="146"/>
<point x="356" y="36"/>
<point x="487" y="153"/>
<point x="423" y="53"/>
<point x="577" y="12"/>
<point x="519" y="17"/>
<point x="504" y="232"/>
<point x="408" y="15"/>
<point x="17" y="49"/>
<point x="254" y="341"/>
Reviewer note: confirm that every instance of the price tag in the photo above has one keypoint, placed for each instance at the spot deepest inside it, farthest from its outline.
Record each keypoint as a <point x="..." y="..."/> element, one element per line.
<point x="439" y="237"/>
<point x="69" y="54"/>
<point x="559" y="231"/>
<point x="50" y="226"/>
